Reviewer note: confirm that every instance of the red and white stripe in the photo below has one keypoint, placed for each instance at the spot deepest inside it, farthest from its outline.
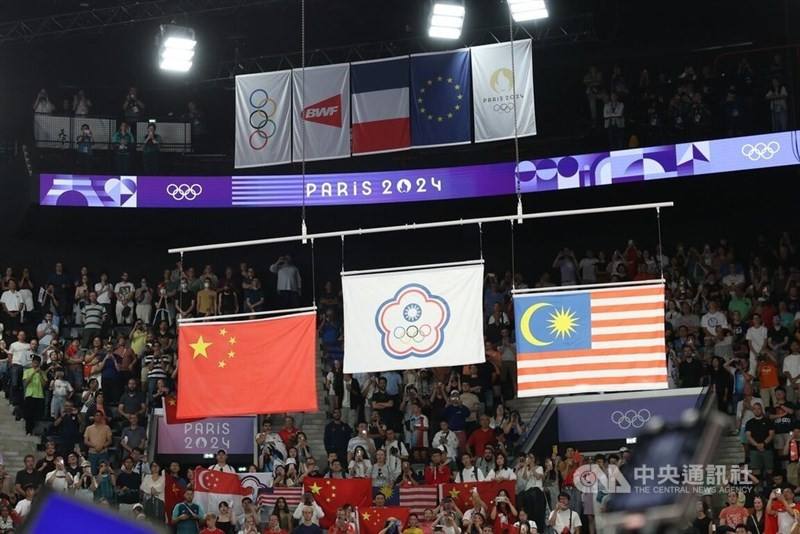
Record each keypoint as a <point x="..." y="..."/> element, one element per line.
<point x="418" y="498"/>
<point x="627" y="352"/>
<point x="270" y="496"/>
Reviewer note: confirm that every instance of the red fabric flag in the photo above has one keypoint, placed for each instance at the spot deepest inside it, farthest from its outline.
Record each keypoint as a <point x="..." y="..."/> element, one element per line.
<point x="462" y="493"/>
<point x="249" y="367"/>
<point x="372" y="520"/>
<point x="170" y="404"/>
<point x="214" y="487"/>
<point x="173" y="494"/>
<point x="331" y="494"/>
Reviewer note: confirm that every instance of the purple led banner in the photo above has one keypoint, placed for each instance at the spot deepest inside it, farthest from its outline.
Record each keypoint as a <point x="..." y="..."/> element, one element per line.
<point x="618" y="419"/>
<point x="341" y="189"/>
<point x="207" y="436"/>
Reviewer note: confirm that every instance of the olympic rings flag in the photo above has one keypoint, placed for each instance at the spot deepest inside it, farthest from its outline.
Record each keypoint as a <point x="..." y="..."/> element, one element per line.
<point x="585" y="341"/>
<point x="263" y="108"/>
<point x="496" y="91"/>
<point x="413" y="319"/>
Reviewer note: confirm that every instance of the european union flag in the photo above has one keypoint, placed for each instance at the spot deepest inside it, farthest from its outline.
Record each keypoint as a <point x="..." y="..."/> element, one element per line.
<point x="441" y="99"/>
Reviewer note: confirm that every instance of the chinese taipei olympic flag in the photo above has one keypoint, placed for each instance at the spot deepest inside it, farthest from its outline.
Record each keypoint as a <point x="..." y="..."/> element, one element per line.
<point x="413" y="319"/>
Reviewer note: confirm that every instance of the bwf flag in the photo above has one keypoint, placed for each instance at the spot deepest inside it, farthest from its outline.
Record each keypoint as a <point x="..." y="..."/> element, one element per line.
<point x="321" y="112"/>
<point x="609" y="339"/>
<point x="493" y="91"/>
<point x="380" y="105"/>
<point x="263" y="118"/>
<point x="413" y="319"/>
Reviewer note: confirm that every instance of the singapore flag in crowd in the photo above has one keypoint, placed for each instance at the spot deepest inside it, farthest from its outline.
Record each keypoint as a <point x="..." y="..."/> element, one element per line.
<point x="413" y="319"/>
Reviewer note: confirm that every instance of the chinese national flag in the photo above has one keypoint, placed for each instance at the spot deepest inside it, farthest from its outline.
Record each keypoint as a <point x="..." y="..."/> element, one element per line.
<point x="173" y="494"/>
<point x="372" y="520"/>
<point x="462" y="492"/>
<point x="331" y="494"/>
<point x="171" y="411"/>
<point x="248" y="367"/>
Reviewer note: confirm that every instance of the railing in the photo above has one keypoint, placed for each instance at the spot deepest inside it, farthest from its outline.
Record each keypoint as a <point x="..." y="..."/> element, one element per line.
<point x="61" y="132"/>
<point x="537" y="423"/>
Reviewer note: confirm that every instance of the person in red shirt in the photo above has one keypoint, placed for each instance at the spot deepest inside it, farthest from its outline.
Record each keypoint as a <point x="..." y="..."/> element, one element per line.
<point x="437" y="472"/>
<point x="481" y="437"/>
<point x="782" y="512"/>
<point x="289" y="432"/>
<point x="211" y="525"/>
<point x="503" y="513"/>
<point x="342" y="524"/>
<point x="767" y="377"/>
<point x="734" y="514"/>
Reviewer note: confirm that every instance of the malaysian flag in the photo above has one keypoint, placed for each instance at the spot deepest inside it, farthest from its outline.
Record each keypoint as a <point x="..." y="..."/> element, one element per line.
<point x="418" y="498"/>
<point x="268" y="496"/>
<point x="606" y="339"/>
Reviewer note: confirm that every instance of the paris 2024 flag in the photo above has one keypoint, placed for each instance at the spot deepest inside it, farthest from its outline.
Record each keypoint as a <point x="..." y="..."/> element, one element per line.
<point x="413" y="319"/>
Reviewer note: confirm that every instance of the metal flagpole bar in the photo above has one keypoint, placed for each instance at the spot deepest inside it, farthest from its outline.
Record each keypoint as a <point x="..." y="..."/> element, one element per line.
<point x="240" y="315"/>
<point x="581" y="287"/>
<point x="422" y="226"/>
<point x="412" y="267"/>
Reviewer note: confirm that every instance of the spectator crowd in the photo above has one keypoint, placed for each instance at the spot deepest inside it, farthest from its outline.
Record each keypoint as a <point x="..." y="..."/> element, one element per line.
<point x="88" y="359"/>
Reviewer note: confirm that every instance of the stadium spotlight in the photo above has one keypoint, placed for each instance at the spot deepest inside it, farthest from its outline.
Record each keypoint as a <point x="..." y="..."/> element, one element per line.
<point x="176" y="49"/>
<point x="525" y="10"/>
<point x="447" y="18"/>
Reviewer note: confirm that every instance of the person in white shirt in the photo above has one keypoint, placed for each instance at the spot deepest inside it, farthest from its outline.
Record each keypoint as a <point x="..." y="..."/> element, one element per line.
<point x="501" y="469"/>
<point x="289" y="282"/>
<point x="46" y="330"/>
<point x="587" y="268"/>
<point x="124" y="291"/>
<point x="468" y="471"/>
<point x="13" y="306"/>
<point x="59" y="479"/>
<point x="313" y="512"/>
<point x="24" y="505"/>
<point x="396" y="451"/>
<point x="614" y="121"/>
<point x="222" y="463"/>
<point x="756" y="339"/>
<point x="21" y="356"/>
<point x="446" y="438"/>
<point x="361" y="439"/>
<point x="791" y="370"/>
<point x="712" y="319"/>
<point x="360" y="466"/>
<point x="563" y="517"/>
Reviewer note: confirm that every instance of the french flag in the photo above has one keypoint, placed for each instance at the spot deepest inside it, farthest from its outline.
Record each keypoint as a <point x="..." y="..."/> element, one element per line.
<point x="380" y="92"/>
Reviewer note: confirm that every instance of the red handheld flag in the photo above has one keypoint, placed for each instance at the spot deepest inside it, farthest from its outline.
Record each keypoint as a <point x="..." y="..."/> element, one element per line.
<point x="331" y="494"/>
<point x="173" y="494"/>
<point x="372" y="520"/>
<point x="462" y="492"/>
<point x="249" y="367"/>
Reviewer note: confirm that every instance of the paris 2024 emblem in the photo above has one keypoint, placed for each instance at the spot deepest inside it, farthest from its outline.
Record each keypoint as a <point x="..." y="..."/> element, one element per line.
<point x="412" y="323"/>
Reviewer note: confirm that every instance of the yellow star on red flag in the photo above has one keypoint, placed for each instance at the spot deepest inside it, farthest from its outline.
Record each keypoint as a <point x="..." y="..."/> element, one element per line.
<point x="200" y="347"/>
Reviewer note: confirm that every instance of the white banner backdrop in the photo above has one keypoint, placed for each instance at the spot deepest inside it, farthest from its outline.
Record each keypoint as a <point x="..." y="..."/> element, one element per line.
<point x="322" y="112"/>
<point x="263" y="115"/>
<point x="493" y="97"/>
<point x="413" y="319"/>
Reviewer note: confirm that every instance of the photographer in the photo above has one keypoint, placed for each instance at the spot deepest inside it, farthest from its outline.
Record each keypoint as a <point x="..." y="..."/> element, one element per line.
<point x="132" y="106"/>
<point x="42" y="103"/>
<point x="34" y="381"/>
<point x="447" y="524"/>
<point x="84" y="144"/>
<point x="503" y="513"/>
<point x="308" y="510"/>
<point x="124" y="144"/>
<point x="67" y="428"/>
<point x="164" y="307"/>
<point x="150" y="150"/>
<point x="392" y="526"/>
<point x="563" y="519"/>
<point x="395" y="449"/>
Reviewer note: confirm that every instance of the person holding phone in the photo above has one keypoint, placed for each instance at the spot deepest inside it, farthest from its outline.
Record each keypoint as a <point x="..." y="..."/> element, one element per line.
<point x="186" y="515"/>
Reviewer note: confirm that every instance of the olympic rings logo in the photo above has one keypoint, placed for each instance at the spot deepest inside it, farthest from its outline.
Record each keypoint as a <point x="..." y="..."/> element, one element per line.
<point x="505" y="108"/>
<point x="630" y="418"/>
<point x="263" y="126"/>
<point x="184" y="191"/>
<point x="760" y="150"/>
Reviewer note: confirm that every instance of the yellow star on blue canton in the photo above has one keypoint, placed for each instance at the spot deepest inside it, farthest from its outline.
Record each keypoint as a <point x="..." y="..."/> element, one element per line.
<point x="563" y="322"/>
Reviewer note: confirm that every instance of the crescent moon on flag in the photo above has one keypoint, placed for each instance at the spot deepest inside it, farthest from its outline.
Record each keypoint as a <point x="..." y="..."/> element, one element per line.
<point x="200" y="483"/>
<point x="525" y="325"/>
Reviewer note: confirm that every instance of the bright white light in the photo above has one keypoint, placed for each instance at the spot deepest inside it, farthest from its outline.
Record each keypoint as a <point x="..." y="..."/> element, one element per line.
<point x="525" y="10"/>
<point x="446" y="21"/>
<point x="175" y="65"/>
<point x="180" y="42"/>
<point x="177" y="48"/>
<point x="178" y="54"/>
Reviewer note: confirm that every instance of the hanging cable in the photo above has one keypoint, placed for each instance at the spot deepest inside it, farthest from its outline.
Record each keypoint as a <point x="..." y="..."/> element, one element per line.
<point x="342" y="253"/>
<point x="513" y="259"/>
<point x="660" y="244"/>
<point x="514" y="107"/>
<point x="313" y="276"/>
<point x="480" y="238"/>
<point x="303" y="228"/>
